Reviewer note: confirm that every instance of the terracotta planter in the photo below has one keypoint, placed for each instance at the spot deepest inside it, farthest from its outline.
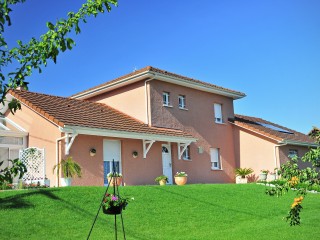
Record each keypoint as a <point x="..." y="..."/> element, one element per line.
<point x="115" y="210"/>
<point x="180" y="180"/>
<point x="115" y="181"/>
<point x="162" y="182"/>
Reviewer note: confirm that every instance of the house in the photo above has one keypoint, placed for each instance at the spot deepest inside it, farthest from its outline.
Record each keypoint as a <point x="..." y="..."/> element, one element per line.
<point x="173" y="122"/>
<point x="263" y="145"/>
<point x="150" y="122"/>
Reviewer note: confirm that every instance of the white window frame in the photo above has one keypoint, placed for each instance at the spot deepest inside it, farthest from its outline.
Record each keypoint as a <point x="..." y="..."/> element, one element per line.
<point x="166" y="99"/>
<point x="182" y="101"/>
<point x="186" y="154"/>
<point x="215" y="159"/>
<point x="293" y="153"/>
<point x="218" y="113"/>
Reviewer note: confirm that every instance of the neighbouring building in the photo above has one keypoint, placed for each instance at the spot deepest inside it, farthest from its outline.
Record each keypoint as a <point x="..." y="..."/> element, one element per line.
<point x="263" y="145"/>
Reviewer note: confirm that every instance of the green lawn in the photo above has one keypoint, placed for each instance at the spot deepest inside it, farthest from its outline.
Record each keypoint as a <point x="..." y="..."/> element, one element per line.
<point x="209" y="211"/>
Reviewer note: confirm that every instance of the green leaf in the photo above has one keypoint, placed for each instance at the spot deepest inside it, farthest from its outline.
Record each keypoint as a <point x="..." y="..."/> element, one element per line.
<point x="50" y="26"/>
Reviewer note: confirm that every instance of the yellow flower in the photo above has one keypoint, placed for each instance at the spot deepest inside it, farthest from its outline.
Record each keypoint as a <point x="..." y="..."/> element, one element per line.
<point x="297" y="201"/>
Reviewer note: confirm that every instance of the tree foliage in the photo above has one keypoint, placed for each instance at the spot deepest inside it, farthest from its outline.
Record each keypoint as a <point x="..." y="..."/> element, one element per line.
<point x="35" y="54"/>
<point x="14" y="168"/>
<point x="293" y="176"/>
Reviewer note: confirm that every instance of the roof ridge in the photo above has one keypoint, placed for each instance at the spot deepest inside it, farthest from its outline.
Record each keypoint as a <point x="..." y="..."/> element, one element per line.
<point x="159" y="71"/>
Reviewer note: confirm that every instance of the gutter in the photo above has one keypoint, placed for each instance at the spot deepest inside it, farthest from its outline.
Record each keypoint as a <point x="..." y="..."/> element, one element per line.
<point x="304" y="144"/>
<point x="276" y="162"/>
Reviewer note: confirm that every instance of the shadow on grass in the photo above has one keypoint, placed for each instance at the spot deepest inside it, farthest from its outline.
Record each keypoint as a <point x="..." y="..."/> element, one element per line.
<point x="197" y="202"/>
<point x="18" y="201"/>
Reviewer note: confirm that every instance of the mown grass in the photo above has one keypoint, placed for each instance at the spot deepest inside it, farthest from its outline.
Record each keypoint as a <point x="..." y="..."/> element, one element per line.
<point x="208" y="211"/>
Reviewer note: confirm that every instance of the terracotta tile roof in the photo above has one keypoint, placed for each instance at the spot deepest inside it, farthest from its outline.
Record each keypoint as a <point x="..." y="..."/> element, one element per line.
<point x="157" y="70"/>
<point x="271" y="130"/>
<point x="73" y="112"/>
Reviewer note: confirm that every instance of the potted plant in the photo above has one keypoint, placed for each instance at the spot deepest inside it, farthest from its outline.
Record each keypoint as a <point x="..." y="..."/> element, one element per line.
<point x="69" y="169"/>
<point x="93" y="152"/>
<point x="273" y="175"/>
<point x="162" y="180"/>
<point x="241" y="174"/>
<point x="263" y="175"/>
<point x="114" y="204"/>
<point x="114" y="178"/>
<point x="180" y="178"/>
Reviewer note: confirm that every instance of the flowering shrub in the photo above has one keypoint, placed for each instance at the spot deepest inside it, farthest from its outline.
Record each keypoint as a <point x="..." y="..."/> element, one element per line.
<point x="294" y="181"/>
<point x="111" y="200"/>
<point x="114" y="174"/>
<point x="294" y="213"/>
<point x="181" y="174"/>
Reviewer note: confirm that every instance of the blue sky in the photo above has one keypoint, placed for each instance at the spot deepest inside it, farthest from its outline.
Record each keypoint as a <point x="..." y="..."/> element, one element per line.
<point x="269" y="50"/>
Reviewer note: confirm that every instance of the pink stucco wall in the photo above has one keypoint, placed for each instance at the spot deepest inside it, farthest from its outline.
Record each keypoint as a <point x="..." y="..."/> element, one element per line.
<point x="136" y="171"/>
<point x="259" y="152"/>
<point x="42" y="134"/>
<point x="254" y="151"/>
<point x="197" y="120"/>
<point x="130" y="99"/>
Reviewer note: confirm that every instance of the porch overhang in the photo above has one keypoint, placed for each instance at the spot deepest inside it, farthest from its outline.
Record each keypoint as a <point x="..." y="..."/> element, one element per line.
<point x="124" y="134"/>
<point x="147" y="139"/>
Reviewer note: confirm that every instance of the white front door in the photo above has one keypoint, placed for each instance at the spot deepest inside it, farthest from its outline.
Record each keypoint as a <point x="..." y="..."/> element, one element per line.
<point x="111" y="151"/>
<point x="166" y="162"/>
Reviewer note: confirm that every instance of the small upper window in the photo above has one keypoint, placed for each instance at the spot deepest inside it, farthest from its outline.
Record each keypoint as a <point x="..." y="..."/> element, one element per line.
<point x="182" y="101"/>
<point x="218" y="113"/>
<point x="166" y="98"/>
<point x="186" y="154"/>
<point x="293" y="153"/>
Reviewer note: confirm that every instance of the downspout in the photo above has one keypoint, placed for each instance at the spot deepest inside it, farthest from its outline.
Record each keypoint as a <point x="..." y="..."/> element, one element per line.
<point x="276" y="162"/>
<point x="57" y="156"/>
<point x="146" y="97"/>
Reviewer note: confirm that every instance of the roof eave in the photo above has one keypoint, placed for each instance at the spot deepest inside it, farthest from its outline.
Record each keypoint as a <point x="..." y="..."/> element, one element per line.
<point x="297" y="143"/>
<point x="124" y="134"/>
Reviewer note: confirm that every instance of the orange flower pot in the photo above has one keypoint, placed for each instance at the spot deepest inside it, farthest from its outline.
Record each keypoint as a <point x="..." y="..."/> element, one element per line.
<point x="180" y="180"/>
<point x="163" y="182"/>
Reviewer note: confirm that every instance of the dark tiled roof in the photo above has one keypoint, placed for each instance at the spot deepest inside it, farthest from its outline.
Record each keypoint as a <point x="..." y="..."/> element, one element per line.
<point x="73" y="112"/>
<point x="157" y="70"/>
<point x="270" y="129"/>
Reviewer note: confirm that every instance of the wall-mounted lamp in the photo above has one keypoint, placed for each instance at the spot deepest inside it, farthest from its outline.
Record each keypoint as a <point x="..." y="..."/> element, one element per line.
<point x="134" y="154"/>
<point x="200" y="150"/>
<point x="93" y="152"/>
